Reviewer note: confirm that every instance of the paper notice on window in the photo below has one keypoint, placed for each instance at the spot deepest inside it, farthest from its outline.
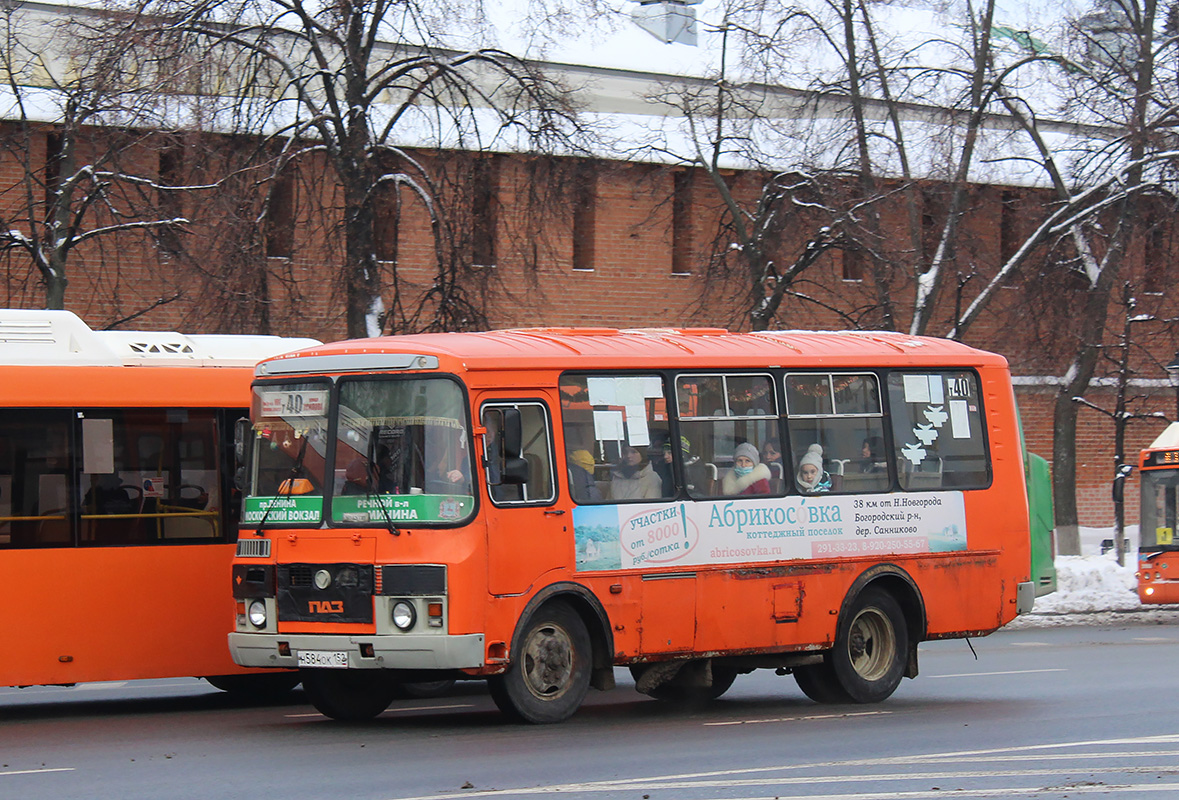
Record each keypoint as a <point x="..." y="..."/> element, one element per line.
<point x="608" y="426"/>
<point x="959" y="420"/>
<point x="652" y="387"/>
<point x="636" y="426"/>
<point x="916" y="388"/>
<point x="629" y="391"/>
<point x="601" y="391"/>
<point x="937" y="394"/>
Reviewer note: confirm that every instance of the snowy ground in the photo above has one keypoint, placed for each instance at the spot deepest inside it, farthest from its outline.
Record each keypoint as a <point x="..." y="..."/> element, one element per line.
<point x="1091" y="589"/>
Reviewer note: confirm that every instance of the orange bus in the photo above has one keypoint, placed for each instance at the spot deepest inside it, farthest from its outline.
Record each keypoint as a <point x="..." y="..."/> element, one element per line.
<point x="537" y="507"/>
<point x="1158" y="569"/>
<point x="118" y="510"/>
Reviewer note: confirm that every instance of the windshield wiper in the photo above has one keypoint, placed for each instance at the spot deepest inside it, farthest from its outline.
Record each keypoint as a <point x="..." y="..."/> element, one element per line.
<point x="374" y="478"/>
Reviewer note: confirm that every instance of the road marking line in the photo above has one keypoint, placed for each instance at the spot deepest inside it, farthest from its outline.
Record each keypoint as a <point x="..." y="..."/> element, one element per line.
<point x="649" y="785"/>
<point x="1006" y="672"/>
<point x="798" y="719"/>
<point x="6" y="774"/>
<point x="1016" y="750"/>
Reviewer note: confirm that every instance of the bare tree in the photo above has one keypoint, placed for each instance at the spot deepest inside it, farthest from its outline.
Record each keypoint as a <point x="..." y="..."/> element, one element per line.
<point x="78" y="117"/>
<point x="351" y="81"/>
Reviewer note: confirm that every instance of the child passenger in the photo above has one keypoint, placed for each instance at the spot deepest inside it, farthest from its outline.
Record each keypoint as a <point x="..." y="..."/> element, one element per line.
<point x="811" y="477"/>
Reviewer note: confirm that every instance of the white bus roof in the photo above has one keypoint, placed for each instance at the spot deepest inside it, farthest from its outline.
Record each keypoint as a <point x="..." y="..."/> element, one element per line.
<point x="61" y="338"/>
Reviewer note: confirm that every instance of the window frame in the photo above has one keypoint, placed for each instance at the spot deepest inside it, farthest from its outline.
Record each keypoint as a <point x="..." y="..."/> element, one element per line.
<point x="546" y="415"/>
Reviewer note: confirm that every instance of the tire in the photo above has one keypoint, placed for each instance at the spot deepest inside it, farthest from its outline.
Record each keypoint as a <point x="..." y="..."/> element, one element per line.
<point x="350" y="695"/>
<point x="422" y="690"/>
<point x="262" y="687"/>
<point x="818" y="682"/>
<point x="676" y="691"/>
<point x="550" y="673"/>
<point x="871" y="648"/>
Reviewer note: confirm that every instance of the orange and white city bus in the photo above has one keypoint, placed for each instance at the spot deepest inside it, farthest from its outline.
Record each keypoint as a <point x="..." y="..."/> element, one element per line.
<point x="536" y="507"/>
<point x="1158" y="549"/>
<point x="118" y="510"/>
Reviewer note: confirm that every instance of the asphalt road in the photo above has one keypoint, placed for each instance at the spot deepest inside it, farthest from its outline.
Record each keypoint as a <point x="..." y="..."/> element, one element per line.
<point x="1047" y="713"/>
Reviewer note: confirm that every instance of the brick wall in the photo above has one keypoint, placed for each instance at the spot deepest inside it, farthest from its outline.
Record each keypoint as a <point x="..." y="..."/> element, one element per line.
<point x="224" y="282"/>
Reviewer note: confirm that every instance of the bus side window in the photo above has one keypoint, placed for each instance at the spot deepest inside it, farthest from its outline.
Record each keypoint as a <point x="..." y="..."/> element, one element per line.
<point x="34" y="475"/>
<point x="938" y="432"/>
<point x="842" y="415"/>
<point x="536" y="447"/>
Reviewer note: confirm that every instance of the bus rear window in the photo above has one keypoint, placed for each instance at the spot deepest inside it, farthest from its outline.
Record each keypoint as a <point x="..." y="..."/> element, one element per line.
<point x="938" y="430"/>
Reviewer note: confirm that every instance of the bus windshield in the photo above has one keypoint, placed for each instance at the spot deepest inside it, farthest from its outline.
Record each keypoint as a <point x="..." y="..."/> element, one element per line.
<point x="1159" y="509"/>
<point x="402" y="452"/>
<point x="288" y="455"/>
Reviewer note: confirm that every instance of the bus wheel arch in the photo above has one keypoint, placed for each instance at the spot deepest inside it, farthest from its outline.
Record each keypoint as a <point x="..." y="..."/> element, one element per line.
<point x="587" y="606"/>
<point x="903" y="589"/>
<point x="880" y="622"/>
<point x="550" y="667"/>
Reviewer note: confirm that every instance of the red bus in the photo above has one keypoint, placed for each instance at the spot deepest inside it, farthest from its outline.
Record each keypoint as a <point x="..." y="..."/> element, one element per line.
<point x="1158" y="549"/>
<point x="538" y="507"/>
<point x="118" y="510"/>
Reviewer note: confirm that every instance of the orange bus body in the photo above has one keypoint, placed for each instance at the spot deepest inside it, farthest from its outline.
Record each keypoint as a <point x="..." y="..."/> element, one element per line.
<point x="1158" y="550"/>
<point x="729" y="613"/>
<point x="95" y="594"/>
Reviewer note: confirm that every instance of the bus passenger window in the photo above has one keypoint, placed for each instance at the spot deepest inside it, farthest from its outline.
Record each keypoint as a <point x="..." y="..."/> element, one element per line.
<point x="536" y="444"/>
<point x="938" y="431"/>
<point x="150" y="476"/>
<point x="731" y="441"/>
<point x="34" y="475"/>
<point x="616" y="428"/>
<point x="836" y="433"/>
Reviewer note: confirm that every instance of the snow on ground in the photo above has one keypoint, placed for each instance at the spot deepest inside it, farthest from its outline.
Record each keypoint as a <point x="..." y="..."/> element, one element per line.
<point x="1092" y="589"/>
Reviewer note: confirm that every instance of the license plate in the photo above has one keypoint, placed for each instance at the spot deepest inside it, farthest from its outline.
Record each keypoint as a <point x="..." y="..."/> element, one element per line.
<point x="322" y="658"/>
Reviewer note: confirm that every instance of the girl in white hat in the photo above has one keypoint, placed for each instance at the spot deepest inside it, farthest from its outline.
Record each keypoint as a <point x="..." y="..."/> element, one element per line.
<point x="811" y="477"/>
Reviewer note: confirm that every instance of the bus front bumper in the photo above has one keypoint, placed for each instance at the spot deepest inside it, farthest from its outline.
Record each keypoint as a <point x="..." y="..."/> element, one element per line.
<point x="404" y="651"/>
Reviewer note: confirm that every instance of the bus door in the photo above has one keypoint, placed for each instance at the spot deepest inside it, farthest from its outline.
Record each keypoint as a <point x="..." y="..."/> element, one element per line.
<point x="526" y="535"/>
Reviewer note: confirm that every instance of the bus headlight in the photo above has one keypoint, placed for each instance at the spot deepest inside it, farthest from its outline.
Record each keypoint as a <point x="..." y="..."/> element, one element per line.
<point x="257" y="613"/>
<point x="404" y="615"/>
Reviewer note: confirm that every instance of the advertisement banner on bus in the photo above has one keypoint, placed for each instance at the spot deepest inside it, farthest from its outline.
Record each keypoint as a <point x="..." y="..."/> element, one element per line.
<point x="737" y="531"/>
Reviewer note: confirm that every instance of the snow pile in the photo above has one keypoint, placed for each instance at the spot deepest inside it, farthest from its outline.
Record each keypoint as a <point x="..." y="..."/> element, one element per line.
<point x="1092" y="589"/>
<point x="1089" y="584"/>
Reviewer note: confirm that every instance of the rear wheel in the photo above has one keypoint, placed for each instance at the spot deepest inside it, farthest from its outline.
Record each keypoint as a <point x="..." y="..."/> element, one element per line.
<point x="550" y="674"/>
<point x="818" y="682"/>
<point x="868" y="660"/>
<point x="350" y="695"/>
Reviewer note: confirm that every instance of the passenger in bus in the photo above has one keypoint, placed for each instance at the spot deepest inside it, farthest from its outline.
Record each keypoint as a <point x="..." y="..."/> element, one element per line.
<point x="811" y="477"/>
<point x="748" y="475"/>
<point x="634" y="478"/>
<point x="872" y="455"/>
<point x="771" y="456"/>
<point x="581" y="478"/>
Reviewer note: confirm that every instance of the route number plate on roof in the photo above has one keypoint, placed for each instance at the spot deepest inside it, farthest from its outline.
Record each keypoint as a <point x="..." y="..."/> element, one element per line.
<point x="294" y="404"/>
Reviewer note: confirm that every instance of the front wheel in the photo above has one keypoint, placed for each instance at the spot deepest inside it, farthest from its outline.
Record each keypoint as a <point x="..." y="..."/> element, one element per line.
<point x="550" y="673"/>
<point x="350" y="695"/>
